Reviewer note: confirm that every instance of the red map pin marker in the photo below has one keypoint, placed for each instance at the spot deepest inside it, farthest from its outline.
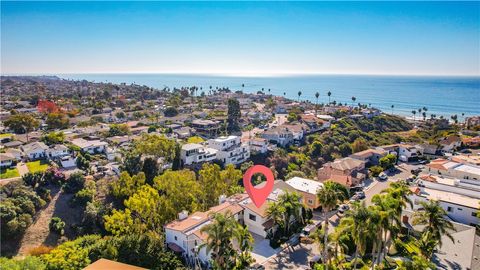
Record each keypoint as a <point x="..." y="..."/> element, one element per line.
<point x="258" y="195"/>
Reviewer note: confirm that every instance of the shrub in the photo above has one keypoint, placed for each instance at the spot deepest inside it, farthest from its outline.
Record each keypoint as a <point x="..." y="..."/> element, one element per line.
<point x="28" y="263"/>
<point x="375" y="170"/>
<point x="57" y="225"/>
<point x="74" y="183"/>
<point x="40" y="250"/>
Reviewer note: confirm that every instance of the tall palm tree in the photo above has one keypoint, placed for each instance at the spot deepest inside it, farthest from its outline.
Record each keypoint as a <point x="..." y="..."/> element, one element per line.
<point x="392" y="107"/>
<point x="276" y="212"/>
<point x="329" y="94"/>
<point x="353" y="100"/>
<point x="284" y="93"/>
<point x="414" y="112"/>
<point x="299" y="94"/>
<point x="432" y="216"/>
<point x="329" y="196"/>
<point x="358" y="219"/>
<point x="317" y="94"/>
<point x="291" y="201"/>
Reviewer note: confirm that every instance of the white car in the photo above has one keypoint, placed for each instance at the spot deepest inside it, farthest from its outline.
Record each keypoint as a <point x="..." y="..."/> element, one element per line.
<point x="382" y="176"/>
<point x="343" y="208"/>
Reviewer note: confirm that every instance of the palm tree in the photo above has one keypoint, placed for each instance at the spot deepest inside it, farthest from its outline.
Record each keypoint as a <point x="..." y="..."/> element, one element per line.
<point x="299" y="94"/>
<point x="414" y="112"/>
<point x="316" y="105"/>
<point x="432" y="217"/>
<point x="358" y="219"/>
<point x="244" y="241"/>
<point x="392" y="107"/>
<point x="276" y="212"/>
<point x="284" y="93"/>
<point x="424" y="114"/>
<point x="329" y="196"/>
<point x="329" y="94"/>
<point x="293" y="208"/>
<point x="221" y="233"/>
<point x="353" y="100"/>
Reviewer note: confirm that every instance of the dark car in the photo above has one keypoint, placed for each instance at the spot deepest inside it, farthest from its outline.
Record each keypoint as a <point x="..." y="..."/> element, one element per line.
<point x="257" y="266"/>
<point x="360" y="195"/>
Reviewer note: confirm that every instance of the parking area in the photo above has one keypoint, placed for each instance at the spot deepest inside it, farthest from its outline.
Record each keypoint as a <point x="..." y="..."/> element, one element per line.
<point x="261" y="249"/>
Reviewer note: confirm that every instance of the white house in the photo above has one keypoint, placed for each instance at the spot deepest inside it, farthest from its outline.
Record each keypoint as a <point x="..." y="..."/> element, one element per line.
<point x="259" y="145"/>
<point x="92" y="147"/>
<point x="192" y="153"/>
<point x="35" y="150"/>
<point x="230" y="150"/>
<point x="459" y="207"/>
<point x="278" y="135"/>
<point x="58" y="150"/>
<point x="6" y="160"/>
<point x="450" y="143"/>
<point x="407" y="152"/>
<point x="454" y="169"/>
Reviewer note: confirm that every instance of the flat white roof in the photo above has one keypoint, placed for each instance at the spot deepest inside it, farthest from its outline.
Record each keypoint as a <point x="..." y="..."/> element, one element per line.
<point x="191" y="146"/>
<point x="468" y="169"/>
<point x="445" y="196"/>
<point x="224" y="138"/>
<point x="305" y="185"/>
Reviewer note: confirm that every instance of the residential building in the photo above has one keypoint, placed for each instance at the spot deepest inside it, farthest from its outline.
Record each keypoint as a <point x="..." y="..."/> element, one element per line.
<point x="68" y="161"/>
<point x="407" y="152"/>
<point x="460" y="208"/>
<point x="92" y="147"/>
<point x="370" y="156"/>
<point x="467" y="159"/>
<point x="462" y="253"/>
<point x="35" y="150"/>
<point x="18" y="154"/>
<point x="453" y="169"/>
<point x="230" y="150"/>
<point x="258" y="145"/>
<point x="347" y="171"/>
<point x="472" y="121"/>
<point x="6" y="160"/>
<point x="307" y="189"/>
<point x="58" y="150"/>
<point x="450" y="143"/>
<point x="207" y="128"/>
<point x="278" y="135"/>
<point x="193" y="153"/>
<point x="473" y="142"/>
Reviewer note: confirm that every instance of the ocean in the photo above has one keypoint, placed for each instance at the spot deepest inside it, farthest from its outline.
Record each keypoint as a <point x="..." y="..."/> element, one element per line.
<point x="440" y="95"/>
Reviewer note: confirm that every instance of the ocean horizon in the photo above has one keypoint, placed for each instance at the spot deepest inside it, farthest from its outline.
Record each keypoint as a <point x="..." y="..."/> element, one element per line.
<point x="441" y="95"/>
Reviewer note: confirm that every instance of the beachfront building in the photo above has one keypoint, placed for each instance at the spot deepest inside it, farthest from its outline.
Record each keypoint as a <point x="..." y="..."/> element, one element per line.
<point x="230" y="150"/>
<point x="347" y="171"/>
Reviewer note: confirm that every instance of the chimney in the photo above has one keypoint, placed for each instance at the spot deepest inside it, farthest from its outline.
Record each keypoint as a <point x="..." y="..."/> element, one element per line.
<point x="183" y="215"/>
<point x="222" y="198"/>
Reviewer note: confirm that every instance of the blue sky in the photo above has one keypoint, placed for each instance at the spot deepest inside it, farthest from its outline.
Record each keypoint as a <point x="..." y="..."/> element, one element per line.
<point x="242" y="38"/>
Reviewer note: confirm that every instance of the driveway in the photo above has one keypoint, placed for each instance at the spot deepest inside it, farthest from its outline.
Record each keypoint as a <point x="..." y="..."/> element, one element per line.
<point x="261" y="249"/>
<point x="22" y="168"/>
<point x="293" y="258"/>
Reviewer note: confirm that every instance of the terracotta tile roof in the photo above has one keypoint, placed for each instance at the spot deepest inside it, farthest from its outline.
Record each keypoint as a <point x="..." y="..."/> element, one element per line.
<point x="346" y="164"/>
<point x="260" y="211"/>
<point x="201" y="235"/>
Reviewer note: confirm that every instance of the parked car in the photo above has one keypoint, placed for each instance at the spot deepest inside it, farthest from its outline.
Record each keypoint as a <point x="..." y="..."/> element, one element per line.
<point x="343" y="208"/>
<point x="383" y="176"/>
<point x="310" y="228"/>
<point x="360" y="195"/>
<point x="257" y="266"/>
<point x="316" y="259"/>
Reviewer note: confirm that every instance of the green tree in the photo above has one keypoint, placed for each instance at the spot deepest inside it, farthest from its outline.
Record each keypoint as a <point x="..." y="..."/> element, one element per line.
<point x="359" y="144"/>
<point x="233" y="115"/>
<point x="54" y="138"/>
<point x="170" y="112"/>
<point x="150" y="169"/>
<point x="75" y="182"/>
<point x="375" y="170"/>
<point x="118" y="130"/>
<point x="27" y="263"/>
<point x="22" y="123"/>
<point x="212" y="185"/>
<point x="56" y="225"/>
<point x="156" y="146"/>
<point x="57" y="120"/>
<point x="126" y="185"/>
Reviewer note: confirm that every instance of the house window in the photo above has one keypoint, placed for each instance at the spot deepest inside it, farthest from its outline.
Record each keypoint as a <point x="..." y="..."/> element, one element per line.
<point x="252" y="217"/>
<point x="449" y="209"/>
<point x="310" y="201"/>
<point x="474" y="214"/>
<point x="176" y="238"/>
<point x="460" y="209"/>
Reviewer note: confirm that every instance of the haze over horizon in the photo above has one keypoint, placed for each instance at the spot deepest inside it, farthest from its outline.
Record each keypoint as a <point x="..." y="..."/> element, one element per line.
<point x="241" y="38"/>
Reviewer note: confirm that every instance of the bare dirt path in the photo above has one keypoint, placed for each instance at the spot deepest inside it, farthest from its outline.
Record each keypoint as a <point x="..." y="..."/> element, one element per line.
<point x="38" y="232"/>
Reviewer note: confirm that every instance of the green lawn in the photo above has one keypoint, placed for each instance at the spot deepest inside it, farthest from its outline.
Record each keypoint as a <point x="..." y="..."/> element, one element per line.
<point x="37" y="166"/>
<point x="5" y="135"/>
<point x="9" y="173"/>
